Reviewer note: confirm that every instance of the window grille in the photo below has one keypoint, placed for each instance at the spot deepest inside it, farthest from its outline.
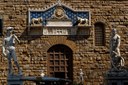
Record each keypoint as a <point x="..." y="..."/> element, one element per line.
<point x="99" y="34"/>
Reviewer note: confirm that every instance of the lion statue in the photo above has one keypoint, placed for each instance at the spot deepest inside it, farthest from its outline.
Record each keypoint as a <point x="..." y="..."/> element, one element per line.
<point x="82" y="21"/>
<point x="36" y="21"/>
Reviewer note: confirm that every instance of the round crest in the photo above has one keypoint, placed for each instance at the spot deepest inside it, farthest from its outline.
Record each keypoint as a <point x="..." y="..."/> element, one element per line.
<point x="59" y="12"/>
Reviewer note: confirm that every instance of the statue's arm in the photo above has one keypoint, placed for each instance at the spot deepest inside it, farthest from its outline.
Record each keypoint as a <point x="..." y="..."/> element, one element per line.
<point x="16" y="38"/>
<point x="3" y="48"/>
<point x="118" y="45"/>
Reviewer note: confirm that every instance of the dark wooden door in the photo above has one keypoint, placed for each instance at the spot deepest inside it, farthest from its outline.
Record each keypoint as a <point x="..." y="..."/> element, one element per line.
<point x="60" y="62"/>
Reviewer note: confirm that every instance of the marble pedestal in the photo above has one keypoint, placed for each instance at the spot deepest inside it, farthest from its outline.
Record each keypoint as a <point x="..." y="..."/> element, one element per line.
<point x="18" y="80"/>
<point x="116" y="78"/>
<point x="14" y="80"/>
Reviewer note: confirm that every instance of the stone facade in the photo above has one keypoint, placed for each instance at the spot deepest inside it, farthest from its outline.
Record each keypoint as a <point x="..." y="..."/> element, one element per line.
<point x="32" y="51"/>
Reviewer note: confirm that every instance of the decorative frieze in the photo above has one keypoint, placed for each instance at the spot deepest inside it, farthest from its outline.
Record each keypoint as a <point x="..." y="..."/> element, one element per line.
<point x="59" y="20"/>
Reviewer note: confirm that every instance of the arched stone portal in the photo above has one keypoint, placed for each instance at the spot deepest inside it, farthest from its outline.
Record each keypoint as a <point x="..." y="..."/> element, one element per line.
<point x="60" y="62"/>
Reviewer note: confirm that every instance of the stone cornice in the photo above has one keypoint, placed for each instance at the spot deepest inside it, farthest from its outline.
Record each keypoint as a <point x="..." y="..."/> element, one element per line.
<point x="57" y="4"/>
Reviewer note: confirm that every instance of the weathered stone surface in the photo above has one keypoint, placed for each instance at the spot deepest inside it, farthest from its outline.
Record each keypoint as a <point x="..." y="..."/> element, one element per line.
<point x="32" y="52"/>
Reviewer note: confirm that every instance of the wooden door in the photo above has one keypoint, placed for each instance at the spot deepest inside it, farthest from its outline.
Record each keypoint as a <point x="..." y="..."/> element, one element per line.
<point x="60" y="62"/>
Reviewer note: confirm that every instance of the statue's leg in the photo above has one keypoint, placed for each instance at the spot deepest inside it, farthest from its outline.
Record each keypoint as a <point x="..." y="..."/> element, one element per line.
<point x="9" y="65"/>
<point x="82" y="80"/>
<point x="118" y="51"/>
<point x="16" y="62"/>
<point x="122" y="62"/>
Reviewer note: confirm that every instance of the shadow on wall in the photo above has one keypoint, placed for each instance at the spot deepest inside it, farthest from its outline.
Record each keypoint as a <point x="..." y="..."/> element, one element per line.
<point x="78" y="37"/>
<point x="28" y="38"/>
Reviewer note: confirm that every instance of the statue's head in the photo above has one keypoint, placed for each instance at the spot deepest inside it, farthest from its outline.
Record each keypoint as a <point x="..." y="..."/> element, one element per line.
<point x="80" y="70"/>
<point x="9" y="30"/>
<point x="114" y="31"/>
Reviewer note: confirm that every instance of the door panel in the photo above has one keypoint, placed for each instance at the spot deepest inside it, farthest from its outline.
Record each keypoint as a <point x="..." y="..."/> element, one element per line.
<point x="60" y="62"/>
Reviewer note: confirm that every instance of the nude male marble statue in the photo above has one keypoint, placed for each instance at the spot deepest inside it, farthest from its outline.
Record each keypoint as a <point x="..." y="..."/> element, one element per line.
<point x="116" y="60"/>
<point x="8" y="50"/>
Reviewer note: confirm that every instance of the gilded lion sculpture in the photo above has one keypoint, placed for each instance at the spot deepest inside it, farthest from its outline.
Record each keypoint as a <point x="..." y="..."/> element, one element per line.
<point x="82" y="21"/>
<point x="37" y="21"/>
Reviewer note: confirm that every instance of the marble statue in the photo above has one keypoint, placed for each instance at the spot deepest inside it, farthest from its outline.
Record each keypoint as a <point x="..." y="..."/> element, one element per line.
<point x="36" y="21"/>
<point x="81" y="76"/>
<point x="82" y="21"/>
<point x="116" y="60"/>
<point x="8" y="50"/>
<point x="42" y="73"/>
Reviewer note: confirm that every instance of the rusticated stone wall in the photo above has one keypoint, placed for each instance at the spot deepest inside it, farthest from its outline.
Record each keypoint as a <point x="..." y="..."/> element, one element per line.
<point x="32" y="51"/>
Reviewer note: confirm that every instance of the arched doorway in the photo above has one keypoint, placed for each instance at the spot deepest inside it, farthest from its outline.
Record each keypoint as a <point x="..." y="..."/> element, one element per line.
<point x="60" y="62"/>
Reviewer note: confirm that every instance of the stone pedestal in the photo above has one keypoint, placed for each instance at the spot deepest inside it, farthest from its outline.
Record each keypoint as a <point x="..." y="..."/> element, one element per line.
<point x="18" y="80"/>
<point x="116" y="78"/>
<point x="14" y="80"/>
